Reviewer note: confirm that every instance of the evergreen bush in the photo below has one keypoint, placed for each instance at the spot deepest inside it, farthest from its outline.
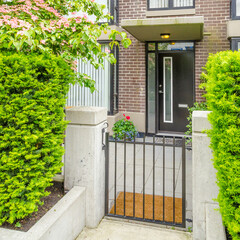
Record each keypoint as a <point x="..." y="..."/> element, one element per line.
<point x="33" y="90"/>
<point x="222" y="85"/>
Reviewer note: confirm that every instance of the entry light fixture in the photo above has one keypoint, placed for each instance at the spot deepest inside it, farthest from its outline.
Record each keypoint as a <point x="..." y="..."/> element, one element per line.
<point x="165" y="35"/>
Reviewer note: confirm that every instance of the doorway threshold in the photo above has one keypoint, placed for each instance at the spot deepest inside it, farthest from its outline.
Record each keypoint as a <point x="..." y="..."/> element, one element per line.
<point x="173" y="134"/>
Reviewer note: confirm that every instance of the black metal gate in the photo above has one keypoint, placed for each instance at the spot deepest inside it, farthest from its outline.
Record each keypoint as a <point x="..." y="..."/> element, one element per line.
<point x="146" y="179"/>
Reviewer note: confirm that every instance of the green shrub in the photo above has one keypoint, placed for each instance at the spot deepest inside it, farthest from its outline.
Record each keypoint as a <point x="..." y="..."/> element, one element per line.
<point x="124" y="128"/>
<point x="33" y="89"/>
<point x="196" y="107"/>
<point x="223" y="97"/>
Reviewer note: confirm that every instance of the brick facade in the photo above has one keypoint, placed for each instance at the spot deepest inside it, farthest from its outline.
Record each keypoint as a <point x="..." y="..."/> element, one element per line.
<point x="132" y="68"/>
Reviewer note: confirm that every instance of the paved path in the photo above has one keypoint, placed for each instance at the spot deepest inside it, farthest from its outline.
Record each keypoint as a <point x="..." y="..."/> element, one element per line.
<point x="119" y="230"/>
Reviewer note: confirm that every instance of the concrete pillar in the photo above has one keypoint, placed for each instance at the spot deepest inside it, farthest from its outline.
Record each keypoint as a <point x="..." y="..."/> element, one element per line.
<point x="207" y="221"/>
<point x="85" y="159"/>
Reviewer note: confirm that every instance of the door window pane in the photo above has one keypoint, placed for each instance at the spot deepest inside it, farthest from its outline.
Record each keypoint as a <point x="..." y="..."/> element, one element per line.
<point x="238" y="46"/>
<point x="151" y="92"/>
<point x="167" y="82"/>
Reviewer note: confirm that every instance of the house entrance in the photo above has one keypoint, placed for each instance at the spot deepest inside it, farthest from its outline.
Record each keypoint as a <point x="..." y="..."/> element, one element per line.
<point x="170" y="86"/>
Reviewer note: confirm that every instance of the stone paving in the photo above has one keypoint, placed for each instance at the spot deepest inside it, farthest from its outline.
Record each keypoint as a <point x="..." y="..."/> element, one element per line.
<point x="119" y="230"/>
<point x="149" y="163"/>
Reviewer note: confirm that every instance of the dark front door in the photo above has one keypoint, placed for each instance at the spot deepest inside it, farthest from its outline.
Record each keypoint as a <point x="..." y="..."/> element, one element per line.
<point x="175" y="90"/>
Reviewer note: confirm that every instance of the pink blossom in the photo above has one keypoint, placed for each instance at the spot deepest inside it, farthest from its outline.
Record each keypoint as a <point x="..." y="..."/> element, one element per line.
<point x="73" y="29"/>
<point x="43" y="41"/>
<point x="107" y="50"/>
<point x="34" y="18"/>
<point x="78" y="20"/>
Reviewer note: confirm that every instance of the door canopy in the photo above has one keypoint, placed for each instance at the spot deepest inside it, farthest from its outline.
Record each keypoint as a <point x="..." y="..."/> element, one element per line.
<point x="153" y="29"/>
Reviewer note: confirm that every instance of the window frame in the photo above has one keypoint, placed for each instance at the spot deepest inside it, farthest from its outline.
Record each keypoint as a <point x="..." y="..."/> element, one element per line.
<point x="170" y="6"/>
<point x="234" y="10"/>
<point x="234" y="44"/>
<point x="114" y="7"/>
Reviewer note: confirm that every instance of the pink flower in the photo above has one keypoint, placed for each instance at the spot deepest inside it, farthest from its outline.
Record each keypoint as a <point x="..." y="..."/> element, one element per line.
<point x="107" y="50"/>
<point x="78" y="20"/>
<point x="43" y="42"/>
<point x="34" y="18"/>
<point x="127" y="117"/>
<point x="73" y="29"/>
<point x="124" y="115"/>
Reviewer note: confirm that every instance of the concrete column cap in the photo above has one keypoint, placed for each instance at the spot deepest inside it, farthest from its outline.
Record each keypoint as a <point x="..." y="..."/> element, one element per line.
<point x="86" y="115"/>
<point x="200" y="121"/>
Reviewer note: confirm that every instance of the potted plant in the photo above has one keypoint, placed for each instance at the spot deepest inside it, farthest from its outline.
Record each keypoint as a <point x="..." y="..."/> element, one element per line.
<point x="124" y="129"/>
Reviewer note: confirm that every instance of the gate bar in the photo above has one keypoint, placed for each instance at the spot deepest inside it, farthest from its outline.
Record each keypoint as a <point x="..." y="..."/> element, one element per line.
<point x="106" y="172"/>
<point x="125" y="175"/>
<point x="134" y="174"/>
<point x="115" y="180"/>
<point x="163" y="178"/>
<point x="144" y="146"/>
<point x="174" y="184"/>
<point x="153" y="177"/>
<point x="183" y="182"/>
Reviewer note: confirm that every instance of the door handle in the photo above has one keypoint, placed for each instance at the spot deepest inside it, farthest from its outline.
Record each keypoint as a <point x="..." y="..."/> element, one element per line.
<point x="161" y="91"/>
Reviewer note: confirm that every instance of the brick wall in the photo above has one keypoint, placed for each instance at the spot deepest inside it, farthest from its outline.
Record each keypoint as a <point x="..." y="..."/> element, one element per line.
<point x="132" y="67"/>
<point x="132" y="73"/>
<point x="216" y="13"/>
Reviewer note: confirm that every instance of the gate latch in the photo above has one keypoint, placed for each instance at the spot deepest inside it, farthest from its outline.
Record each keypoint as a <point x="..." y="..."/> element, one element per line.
<point x="104" y="135"/>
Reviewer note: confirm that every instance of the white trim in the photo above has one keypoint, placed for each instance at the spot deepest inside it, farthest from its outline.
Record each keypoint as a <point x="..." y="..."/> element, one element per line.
<point x="174" y="12"/>
<point x="164" y="90"/>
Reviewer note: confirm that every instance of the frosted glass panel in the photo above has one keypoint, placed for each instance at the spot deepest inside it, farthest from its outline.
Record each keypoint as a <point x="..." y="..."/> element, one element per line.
<point x="238" y="46"/>
<point x="183" y="3"/>
<point x="238" y="8"/>
<point x="81" y="96"/>
<point x="151" y="92"/>
<point x="176" y="46"/>
<point x="167" y="62"/>
<point x="158" y="3"/>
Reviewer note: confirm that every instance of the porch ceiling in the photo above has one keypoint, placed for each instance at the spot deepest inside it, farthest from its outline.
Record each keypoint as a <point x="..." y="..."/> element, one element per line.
<point x="180" y="28"/>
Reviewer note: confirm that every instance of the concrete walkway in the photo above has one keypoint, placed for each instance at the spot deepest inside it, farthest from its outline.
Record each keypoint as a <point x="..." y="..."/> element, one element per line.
<point x="121" y="230"/>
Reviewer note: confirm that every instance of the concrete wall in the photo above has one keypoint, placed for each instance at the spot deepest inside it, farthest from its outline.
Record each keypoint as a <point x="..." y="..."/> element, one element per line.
<point x="85" y="159"/>
<point x="207" y="221"/>
<point x="64" y="221"/>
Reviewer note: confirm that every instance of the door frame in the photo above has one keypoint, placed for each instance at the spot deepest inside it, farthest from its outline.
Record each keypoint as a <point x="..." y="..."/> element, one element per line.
<point x="156" y="51"/>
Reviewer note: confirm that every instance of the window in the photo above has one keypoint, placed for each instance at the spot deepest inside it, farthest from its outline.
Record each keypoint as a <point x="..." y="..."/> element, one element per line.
<point x="235" y="44"/>
<point x="106" y="83"/>
<point x="176" y="46"/>
<point x="111" y="7"/>
<point x="170" y="4"/>
<point x="235" y="9"/>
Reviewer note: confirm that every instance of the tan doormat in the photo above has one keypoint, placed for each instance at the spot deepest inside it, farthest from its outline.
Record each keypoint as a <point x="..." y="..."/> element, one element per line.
<point x="158" y="207"/>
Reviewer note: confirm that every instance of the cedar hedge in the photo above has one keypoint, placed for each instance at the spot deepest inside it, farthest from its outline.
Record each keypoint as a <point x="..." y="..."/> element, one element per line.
<point x="33" y="90"/>
<point x="222" y="85"/>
